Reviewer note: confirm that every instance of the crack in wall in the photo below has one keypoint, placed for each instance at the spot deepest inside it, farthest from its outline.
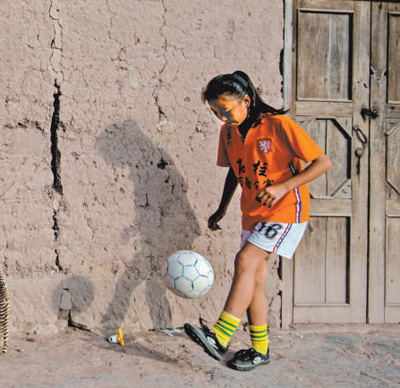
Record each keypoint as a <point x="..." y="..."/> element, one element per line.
<point x="56" y="64"/>
<point x="55" y="151"/>
<point x="56" y="169"/>
<point x="164" y="48"/>
<point x="164" y="126"/>
<point x="56" y="15"/>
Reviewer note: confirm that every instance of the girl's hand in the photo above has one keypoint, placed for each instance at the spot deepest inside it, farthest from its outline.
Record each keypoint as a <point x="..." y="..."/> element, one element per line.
<point x="214" y="219"/>
<point x="272" y="194"/>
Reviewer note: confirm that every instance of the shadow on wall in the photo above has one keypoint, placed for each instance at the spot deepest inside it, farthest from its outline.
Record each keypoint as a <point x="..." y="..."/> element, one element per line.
<point x="72" y="296"/>
<point x="164" y="220"/>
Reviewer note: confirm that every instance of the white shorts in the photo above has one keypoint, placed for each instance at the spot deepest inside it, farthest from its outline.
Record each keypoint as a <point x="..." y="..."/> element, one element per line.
<point x="275" y="237"/>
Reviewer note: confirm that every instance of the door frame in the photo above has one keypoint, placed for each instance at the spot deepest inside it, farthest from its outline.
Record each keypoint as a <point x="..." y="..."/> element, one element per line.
<point x="286" y="265"/>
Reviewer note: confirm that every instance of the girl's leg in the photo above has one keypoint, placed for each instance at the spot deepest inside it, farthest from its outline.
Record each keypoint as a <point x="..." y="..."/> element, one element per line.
<point x="258" y="309"/>
<point x="248" y="283"/>
<point x="257" y="312"/>
<point x="248" y="359"/>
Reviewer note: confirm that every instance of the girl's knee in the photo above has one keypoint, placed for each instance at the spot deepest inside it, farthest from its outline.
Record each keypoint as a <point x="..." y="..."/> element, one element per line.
<point x="247" y="261"/>
<point x="243" y="261"/>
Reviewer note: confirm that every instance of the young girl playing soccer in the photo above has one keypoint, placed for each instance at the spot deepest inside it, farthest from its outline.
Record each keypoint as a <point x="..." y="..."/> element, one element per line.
<point x="264" y="151"/>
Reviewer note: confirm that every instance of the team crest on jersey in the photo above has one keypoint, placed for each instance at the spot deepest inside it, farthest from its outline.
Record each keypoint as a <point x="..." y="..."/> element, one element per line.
<point x="264" y="145"/>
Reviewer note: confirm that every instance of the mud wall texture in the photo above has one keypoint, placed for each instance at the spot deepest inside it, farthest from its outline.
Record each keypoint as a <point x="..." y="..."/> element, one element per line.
<point x="108" y="155"/>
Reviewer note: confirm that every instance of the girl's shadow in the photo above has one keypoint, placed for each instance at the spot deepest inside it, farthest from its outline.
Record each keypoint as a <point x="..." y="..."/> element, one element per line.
<point x="164" y="219"/>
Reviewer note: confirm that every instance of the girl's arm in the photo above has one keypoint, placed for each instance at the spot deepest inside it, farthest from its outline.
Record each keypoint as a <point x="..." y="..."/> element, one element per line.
<point x="230" y="186"/>
<point x="272" y="194"/>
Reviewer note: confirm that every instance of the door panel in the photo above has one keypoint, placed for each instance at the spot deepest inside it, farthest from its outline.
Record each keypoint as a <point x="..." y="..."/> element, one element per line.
<point x="324" y="67"/>
<point x="317" y="280"/>
<point x="393" y="54"/>
<point x="330" y="86"/>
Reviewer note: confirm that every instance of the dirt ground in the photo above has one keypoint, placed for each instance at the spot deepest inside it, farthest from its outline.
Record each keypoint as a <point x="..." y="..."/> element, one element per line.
<point x="304" y="356"/>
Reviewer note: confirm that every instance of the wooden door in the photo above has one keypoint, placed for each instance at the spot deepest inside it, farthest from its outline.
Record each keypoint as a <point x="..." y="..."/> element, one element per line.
<point x="384" y="245"/>
<point x="327" y="280"/>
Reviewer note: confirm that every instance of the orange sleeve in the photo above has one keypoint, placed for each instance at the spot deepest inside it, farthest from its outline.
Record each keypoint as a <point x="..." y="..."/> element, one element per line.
<point x="299" y="141"/>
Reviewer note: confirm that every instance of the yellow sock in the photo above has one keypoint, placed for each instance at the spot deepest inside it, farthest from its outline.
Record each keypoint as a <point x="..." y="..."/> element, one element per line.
<point x="225" y="327"/>
<point x="259" y="338"/>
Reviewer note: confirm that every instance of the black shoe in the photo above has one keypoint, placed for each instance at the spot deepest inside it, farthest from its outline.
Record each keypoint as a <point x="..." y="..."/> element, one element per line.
<point x="207" y="339"/>
<point x="248" y="359"/>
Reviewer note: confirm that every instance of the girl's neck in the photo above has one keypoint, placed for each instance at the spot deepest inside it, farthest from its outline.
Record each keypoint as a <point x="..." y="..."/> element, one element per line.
<point x="246" y="125"/>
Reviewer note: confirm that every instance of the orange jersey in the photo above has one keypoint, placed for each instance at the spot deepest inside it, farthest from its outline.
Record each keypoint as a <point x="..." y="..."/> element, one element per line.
<point x="271" y="153"/>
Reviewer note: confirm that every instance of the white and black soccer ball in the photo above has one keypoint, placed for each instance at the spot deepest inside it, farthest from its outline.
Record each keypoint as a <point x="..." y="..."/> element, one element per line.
<point x="188" y="274"/>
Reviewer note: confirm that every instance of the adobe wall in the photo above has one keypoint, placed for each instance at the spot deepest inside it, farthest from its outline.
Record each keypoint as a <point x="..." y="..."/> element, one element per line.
<point x="108" y="154"/>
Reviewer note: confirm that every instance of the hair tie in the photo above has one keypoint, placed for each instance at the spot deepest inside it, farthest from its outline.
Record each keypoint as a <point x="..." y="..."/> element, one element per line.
<point x="241" y="80"/>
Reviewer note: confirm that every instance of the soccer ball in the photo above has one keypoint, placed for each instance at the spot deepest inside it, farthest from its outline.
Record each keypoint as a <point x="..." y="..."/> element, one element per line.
<point x="188" y="274"/>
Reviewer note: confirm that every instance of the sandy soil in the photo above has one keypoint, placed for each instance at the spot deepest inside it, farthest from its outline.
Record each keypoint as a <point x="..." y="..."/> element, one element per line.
<point x="304" y="356"/>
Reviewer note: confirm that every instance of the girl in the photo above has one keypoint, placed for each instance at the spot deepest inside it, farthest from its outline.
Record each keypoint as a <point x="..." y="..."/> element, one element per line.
<point x="263" y="150"/>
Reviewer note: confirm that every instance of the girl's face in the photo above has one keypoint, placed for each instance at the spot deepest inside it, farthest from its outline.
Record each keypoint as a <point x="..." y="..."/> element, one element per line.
<point x="230" y="109"/>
